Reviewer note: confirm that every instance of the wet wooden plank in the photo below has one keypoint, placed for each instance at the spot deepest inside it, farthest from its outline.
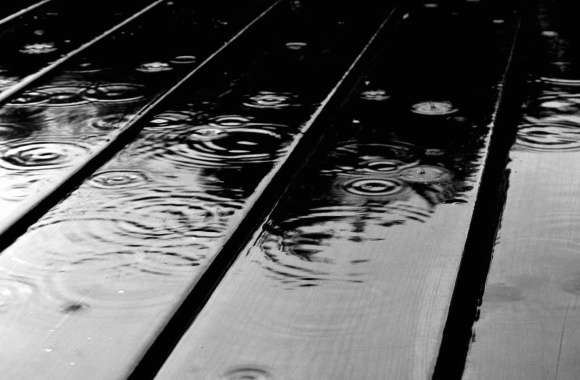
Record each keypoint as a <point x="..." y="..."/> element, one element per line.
<point x="59" y="129"/>
<point x="110" y="264"/>
<point x="11" y="10"/>
<point x="529" y="319"/>
<point x="351" y="275"/>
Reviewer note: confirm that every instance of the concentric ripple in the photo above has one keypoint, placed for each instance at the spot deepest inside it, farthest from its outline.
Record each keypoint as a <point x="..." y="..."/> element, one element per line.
<point x="39" y="48"/>
<point x="375" y="95"/>
<point x="548" y="137"/>
<point x="211" y="146"/>
<point x="63" y="95"/>
<point x="42" y="155"/>
<point x="271" y="100"/>
<point x="433" y="108"/>
<point x="425" y="174"/>
<point x="154" y="67"/>
<point x="119" y="179"/>
<point x="29" y="98"/>
<point x="115" y="92"/>
<point x="375" y="187"/>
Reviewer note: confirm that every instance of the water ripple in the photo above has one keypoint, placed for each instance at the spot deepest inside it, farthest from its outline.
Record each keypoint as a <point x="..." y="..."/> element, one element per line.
<point x="42" y="155"/>
<point x="548" y="137"/>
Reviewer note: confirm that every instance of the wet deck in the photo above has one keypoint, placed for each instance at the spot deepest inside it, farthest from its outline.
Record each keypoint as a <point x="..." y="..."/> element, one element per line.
<point x="287" y="190"/>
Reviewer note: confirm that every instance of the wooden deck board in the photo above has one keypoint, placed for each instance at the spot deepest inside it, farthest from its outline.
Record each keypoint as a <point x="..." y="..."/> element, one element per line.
<point x="352" y="280"/>
<point x="96" y="280"/>
<point x="528" y="324"/>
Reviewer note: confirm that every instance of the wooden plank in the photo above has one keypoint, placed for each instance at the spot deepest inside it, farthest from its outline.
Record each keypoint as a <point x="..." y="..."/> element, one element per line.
<point x="11" y="10"/>
<point x="351" y="275"/>
<point x="75" y="120"/>
<point x="92" y="284"/>
<point x="529" y="320"/>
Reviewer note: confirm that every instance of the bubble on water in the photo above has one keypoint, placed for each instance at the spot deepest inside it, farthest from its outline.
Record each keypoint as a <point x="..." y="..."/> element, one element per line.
<point x="154" y="67"/>
<point x="183" y="60"/>
<point x="296" y="45"/>
<point x="119" y="179"/>
<point x="425" y="174"/>
<point x="39" y="48"/>
<point x="433" y="108"/>
<point x="63" y="95"/>
<point x="375" y="95"/>
<point x="548" y="137"/>
<point x="115" y="92"/>
<point x="42" y="155"/>
<point x="271" y="100"/>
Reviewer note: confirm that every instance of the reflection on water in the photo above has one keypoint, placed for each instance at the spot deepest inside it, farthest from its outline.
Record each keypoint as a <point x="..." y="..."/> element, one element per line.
<point x="358" y="192"/>
<point x="551" y="121"/>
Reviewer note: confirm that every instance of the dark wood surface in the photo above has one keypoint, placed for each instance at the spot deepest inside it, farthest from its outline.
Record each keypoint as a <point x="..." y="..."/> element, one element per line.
<point x="99" y="276"/>
<point x="351" y="275"/>
<point x="529" y="320"/>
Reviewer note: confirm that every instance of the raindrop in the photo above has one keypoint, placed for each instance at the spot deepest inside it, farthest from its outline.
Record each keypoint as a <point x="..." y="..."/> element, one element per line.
<point x="154" y="67"/>
<point x="229" y="121"/>
<point x="73" y="307"/>
<point x="119" y="179"/>
<point x="42" y="155"/>
<point x="434" y="108"/>
<point x="115" y="92"/>
<point x="425" y="174"/>
<point x="39" y="48"/>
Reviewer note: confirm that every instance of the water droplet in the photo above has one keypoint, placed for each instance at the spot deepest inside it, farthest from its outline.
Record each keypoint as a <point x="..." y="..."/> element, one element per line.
<point x="154" y="67"/>
<point x="548" y="137"/>
<point x="431" y="5"/>
<point x="375" y="95"/>
<point x="119" y="179"/>
<point x="42" y="155"/>
<point x="271" y="100"/>
<point x="183" y="60"/>
<point x="48" y="349"/>
<point x="84" y="67"/>
<point x="115" y="92"/>
<point x="434" y="108"/>
<point x="375" y="187"/>
<point x="425" y="174"/>
<point x="39" y="48"/>
<point x="246" y="373"/>
<point x="498" y="21"/>
<point x="296" y="45"/>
